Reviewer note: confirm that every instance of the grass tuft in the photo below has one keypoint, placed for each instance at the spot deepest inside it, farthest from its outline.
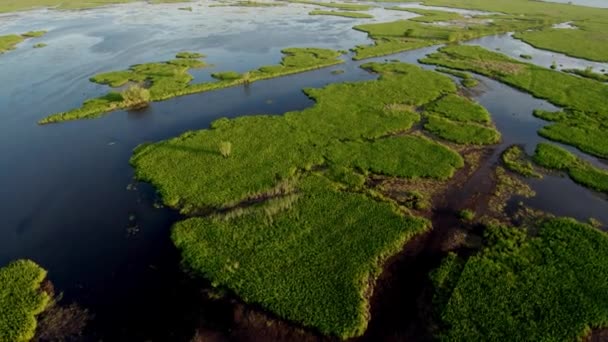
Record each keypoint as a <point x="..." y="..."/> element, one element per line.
<point x="21" y="300"/>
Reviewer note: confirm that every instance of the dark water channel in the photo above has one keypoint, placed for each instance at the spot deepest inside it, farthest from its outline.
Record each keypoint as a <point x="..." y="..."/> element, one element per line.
<point x="68" y="202"/>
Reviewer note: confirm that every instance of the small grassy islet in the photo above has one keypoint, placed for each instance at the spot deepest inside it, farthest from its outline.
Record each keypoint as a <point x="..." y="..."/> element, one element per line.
<point x="9" y="42"/>
<point x="171" y="79"/>
<point x="581" y="171"/>
<point x="21" y="300"/>
<point x="516" y="160"/>
<point x="356" y="15"/>
<point x="525" y="284"/>
<point x="467" y="80"/>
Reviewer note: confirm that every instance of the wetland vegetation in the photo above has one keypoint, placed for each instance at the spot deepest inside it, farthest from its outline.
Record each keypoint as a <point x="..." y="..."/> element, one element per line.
<point x="21" y="299"/>
<point x="525" y="283"/>
<point x="342" y="14"/>
<point x="294" y="173"/>
<point x="9" y="42"/>
<point x="170" y="79"/>
<point x="395" y="180"/>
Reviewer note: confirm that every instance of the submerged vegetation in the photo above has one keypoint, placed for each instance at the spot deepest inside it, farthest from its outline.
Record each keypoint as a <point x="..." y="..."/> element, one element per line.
<point x="525" y="284"/>
<point x="21" y="300"/>
<point x="171" y="79"/>
<point x="581" y="171"/>
<point x="342" y="14"/>
<point x="9" y="42"/>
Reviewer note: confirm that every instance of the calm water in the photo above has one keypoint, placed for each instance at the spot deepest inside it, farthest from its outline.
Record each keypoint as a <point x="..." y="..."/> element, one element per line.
<point x="67" y="204"/>
<point x="589" y="3"/>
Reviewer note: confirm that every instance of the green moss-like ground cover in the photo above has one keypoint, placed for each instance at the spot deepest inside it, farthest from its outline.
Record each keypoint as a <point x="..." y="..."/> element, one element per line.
<point x="338" y="5"/>
<point x="516" y="160"/>
<point x="546" y="283"/>
<point x="309" y="264"/>
<point x="581" y="171"/>
<point x="9" y="42"/>
<point x="343" y="14"/>
<point x="20" y="300"/>
<point x="171" y="79"/>
<point x="292" y="189"/>
<point x="582" y="125"/>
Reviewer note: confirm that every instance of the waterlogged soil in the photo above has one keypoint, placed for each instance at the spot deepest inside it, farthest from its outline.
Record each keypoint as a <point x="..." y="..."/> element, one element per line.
<point x="74" y="209"/>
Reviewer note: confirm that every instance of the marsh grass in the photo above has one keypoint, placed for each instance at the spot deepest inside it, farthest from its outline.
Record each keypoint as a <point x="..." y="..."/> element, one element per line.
<point x="516" y="160"/>
<point x="39" y="45"/>
<point x="461" y="132"/>
<point x="342" y="14"/>
<point x="467" y="80"/>
<point x="583" y="122"/>
<point x="225" y="148"/>
<point x="21" y="300"/>
<point x="322" y="265"/>
<point x="509" y="290"/>
<point x="171" y="79"/>
<point x="227" y="75"/>
<point x="136" y="97"/>
<point x="271" y="148"/>
<point x="338" y="5"/>
<point x="460" y="120"/>
<point x="588" y="73"/>
<point x="420" y="31"/>
<point x="581" y="171"/>
<point x="292" y="213"/>
<point x="387" y="46"/>
<point x="466" y="215"/>
<point x="9" y="42"/>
